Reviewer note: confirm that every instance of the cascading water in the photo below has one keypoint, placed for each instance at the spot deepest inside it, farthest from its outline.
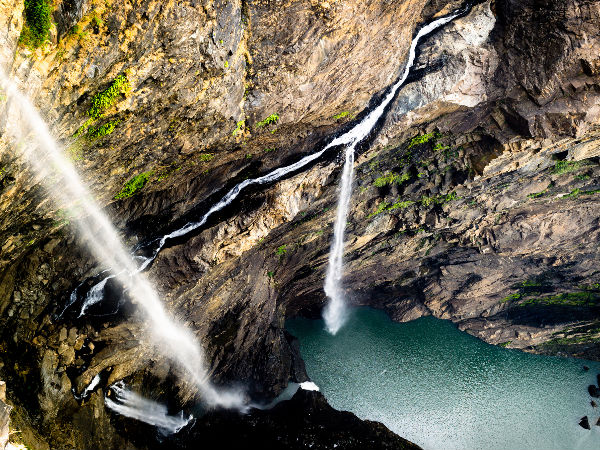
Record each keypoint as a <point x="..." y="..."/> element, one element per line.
<point x="336" y="311"/>
<point x="30" y="133"/>
<point x="129" y="404"/>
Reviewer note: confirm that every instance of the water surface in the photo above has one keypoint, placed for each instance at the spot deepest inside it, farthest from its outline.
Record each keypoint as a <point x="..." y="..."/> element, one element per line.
<point x="444" y="389"/>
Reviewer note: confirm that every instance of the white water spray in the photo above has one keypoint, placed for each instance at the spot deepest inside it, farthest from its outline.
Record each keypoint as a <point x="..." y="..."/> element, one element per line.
<point x="26" y="127"/>
<point x="336" y="311"/>
<point x="129" y="404"/>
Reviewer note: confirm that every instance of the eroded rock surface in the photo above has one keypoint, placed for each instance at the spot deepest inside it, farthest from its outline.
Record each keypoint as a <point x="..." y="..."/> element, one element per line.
<point x="477" y="202"/>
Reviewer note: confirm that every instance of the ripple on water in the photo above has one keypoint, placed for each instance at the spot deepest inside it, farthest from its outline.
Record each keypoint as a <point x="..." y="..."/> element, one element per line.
<point x="444" y="389"/>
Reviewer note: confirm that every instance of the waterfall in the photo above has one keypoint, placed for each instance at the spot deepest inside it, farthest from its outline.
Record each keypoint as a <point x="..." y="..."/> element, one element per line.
<point x="129" y="404"/>
<point x="336" y="311"/>
<point x="31" y="135"/>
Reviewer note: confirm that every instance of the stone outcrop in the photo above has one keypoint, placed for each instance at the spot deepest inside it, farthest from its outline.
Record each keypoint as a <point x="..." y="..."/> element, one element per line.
<point x="489" y="218"/>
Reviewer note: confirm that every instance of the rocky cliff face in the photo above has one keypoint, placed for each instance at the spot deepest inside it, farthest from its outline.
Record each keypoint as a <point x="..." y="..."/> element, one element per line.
<point x="477" y="201"/>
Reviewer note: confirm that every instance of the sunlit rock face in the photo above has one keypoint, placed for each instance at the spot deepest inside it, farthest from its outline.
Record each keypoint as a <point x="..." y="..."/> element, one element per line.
<point x="512" y="88"/>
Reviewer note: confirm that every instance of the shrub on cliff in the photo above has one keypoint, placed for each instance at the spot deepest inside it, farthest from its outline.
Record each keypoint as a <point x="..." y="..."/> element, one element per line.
<point x="37" y="23"/>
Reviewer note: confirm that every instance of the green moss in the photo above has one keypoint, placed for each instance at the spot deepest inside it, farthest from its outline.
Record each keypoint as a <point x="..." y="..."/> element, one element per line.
<point x="269" y="150"/>
<point x="103" y="130"/>
<point x="424" y="138"/>
<point x="205" y="157"/>
<point x="511" y="297"/>
<point x="439" y="199"/>
<point x="239" y="129"/>
<point x="342" y="115"/>
<point x="577" y="192"/>
<point x="108" y="97"/>
<point x="585" y="298"/>
<point x="537" y="194"/>
<point x="271" y="120"/>
<point x="226" y="64"/>
<point x="133" y="186"/>
<point x="401" y="205"/>
<point x="36" y="28"/>
<point x="391" y="178"/>
<point x="281" y="250"/>
<point x="565" y="167"/>
<point x="439" y="147"/>
<point x="505" y="344"/>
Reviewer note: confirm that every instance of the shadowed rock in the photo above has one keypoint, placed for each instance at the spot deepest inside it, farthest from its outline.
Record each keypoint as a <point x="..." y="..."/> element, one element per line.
<point x="584" y="423"/>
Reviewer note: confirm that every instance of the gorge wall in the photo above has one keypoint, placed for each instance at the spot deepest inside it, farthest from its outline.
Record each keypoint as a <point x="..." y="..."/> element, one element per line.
<point x="477" y="201"/>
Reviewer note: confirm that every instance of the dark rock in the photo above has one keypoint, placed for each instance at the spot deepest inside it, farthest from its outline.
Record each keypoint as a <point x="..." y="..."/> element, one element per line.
<point x="598" y="422"/>
<point x="593" y="403"/>
<point x="305" y="421"/>
<point x="594" y="391"/>
<point x="584" y="423"/>
<point x="586" y="368"/>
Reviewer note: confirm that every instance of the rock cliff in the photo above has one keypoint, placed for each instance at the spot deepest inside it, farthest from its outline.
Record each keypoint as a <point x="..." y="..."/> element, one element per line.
<point x="476" y="202"/>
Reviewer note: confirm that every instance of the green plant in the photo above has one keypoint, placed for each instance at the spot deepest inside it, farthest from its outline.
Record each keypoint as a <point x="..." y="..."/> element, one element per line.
<point x="249" y="155"/>
<point x="268" y="150"/>
<point x="226" y="64"/>
<point x="381" y="208"/>
<point x="281" y="250"/>
<point x="133" y="186"/>
<point x="205" y="157"/>
<point x="424" y="138"/>
<point x="439" y="199"/>
<point x="511" y="297"/>
<point x="272" y="119"/>
<point x="270" y="274"/>
<point x="400" y="205"/>
<point x="440" y="148"/>
<point x="565" y="167"/>
<point x="36" y="28"/>
<point x="241" y="126"/>
<point x="108" y="97"/>
<point x="341" y="115"/>
<point x="577" y="192"/>
<point x="537" y="194"/>
<point x="390" y="178"/>
<point x="505" y="344"/>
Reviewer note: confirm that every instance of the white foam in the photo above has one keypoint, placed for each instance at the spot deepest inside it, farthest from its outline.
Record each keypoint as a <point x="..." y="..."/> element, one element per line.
<point x="129" y="404"/>
<point x="309" y="386"/>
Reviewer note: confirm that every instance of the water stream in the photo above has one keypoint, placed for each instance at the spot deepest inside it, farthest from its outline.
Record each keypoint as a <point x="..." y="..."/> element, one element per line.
<point x="335" y="313"/>
<point x="130" y="404"/>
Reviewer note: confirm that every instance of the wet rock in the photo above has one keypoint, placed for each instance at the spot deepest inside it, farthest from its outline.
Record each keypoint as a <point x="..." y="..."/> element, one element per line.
<point x="593" y="403"/>
<point x="594" y="391"/>
<point x="584" y="423"/>
<point x="305" y="421"/>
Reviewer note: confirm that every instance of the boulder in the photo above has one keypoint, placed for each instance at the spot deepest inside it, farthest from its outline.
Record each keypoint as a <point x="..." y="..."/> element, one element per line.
<point x="594" y="391"/>
<point x="584" y="423"/>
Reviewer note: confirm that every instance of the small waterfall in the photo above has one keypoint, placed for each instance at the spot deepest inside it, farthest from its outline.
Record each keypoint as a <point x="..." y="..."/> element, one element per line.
<point x="336" y="312"/>
<point x="30" y="134"/>
<point x="129" y="404"/>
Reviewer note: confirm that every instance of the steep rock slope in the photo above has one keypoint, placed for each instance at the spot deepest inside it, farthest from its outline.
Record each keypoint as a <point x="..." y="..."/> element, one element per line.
<point x="489" y="217"/>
